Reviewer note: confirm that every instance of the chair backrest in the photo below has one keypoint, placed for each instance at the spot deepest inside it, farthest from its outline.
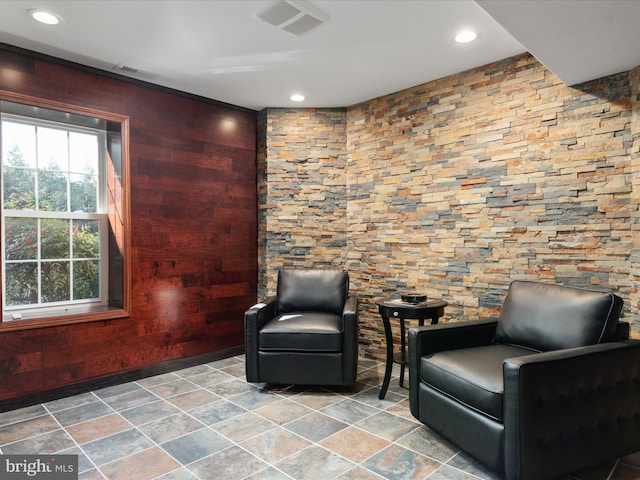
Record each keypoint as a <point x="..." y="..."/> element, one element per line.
<point x="548" y="317"/>
<point x="311" y="290"/>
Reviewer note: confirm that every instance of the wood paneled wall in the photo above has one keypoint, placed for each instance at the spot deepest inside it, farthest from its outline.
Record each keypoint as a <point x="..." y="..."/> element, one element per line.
<point x="194" y="231"/>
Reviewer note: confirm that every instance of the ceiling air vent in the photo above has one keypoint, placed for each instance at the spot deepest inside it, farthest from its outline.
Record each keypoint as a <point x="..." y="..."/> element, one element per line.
<point x="134" y="72"/>
<point x="293" y="16"/>
<point x="123" y="68"/>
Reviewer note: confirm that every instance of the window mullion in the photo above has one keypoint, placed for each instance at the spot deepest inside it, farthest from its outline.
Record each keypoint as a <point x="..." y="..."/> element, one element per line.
<point x="39" y="260"/>
<point x="36" y="174"/>
<point x="70" y="231"/>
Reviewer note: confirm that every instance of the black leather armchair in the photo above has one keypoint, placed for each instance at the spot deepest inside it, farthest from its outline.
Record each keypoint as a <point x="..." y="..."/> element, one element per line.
<point x="551" y="387"/>
<point x="307" y="334"/>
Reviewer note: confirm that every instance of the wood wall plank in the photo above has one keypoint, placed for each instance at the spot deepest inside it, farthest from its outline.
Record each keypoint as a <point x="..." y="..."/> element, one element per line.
<point x="194" y="232"/>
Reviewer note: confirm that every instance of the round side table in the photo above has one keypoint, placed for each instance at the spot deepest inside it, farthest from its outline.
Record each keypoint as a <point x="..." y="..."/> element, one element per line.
<point x="396" y="308"/>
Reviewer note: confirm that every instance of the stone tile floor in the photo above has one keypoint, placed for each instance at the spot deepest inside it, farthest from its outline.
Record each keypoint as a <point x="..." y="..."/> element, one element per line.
<point x="206" y="422"/>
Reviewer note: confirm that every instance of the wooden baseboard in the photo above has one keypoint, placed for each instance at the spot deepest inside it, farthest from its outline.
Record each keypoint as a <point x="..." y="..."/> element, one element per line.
<point x="115" y="379"/>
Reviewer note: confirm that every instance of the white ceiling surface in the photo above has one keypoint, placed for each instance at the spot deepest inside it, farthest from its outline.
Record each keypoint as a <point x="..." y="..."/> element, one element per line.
<point x="218" y="49"/>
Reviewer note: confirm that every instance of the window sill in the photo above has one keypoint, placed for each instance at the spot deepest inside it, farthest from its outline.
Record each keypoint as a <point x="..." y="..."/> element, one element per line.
<point x="78" y="315"/>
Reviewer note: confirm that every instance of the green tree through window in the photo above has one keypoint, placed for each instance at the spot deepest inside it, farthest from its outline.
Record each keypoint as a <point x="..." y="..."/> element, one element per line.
<point x="53" y="214"/>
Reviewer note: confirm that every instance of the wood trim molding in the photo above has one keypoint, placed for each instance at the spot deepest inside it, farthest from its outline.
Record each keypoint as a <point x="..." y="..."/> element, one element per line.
<point x="101" y="313"/>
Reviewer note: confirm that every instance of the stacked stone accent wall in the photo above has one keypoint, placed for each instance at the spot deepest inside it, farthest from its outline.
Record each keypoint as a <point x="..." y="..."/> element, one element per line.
<point x="634" y="79"/>
<point x="301" y="190"/>
<point x="457" y="187"/>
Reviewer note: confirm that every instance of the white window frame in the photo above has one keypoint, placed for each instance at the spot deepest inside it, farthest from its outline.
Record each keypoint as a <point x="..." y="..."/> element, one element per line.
<point x="19" y="312"/>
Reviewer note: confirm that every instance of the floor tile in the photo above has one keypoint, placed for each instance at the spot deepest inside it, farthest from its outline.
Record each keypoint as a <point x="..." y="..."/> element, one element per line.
<point x="269" y="473"/>
<point x="180" y="474"/>
<point x="22" y="414"/>
<point x="194" y="371"/>
<point x="387" y="426"/>
<point x="423" y="440"/>
<point x="314" y="463"/>
<point x="402" y="409"/>
<point x="210" y="378"/>
<point x="168" y="428"/>
<point x="466" y="463"/>
<point x="207" y="422"/>
<point x="27" y="428"/>
<point x="233" y="463"/>
<point x="113" y="447"/>
<point x="633" y="460"/>
<point x="145" y="465"/>
<point x="275" y="445"/>
<point x="149" y="412"/>
<point x="216" y="412"/>
<point x="91" y="475"/>
<point x="131" y="399"/>
<point x="227" y="362"/>
<point x="69" y="402"/>
<point x="244" y="426"/>
<point x="84" y="464"/>
<point x="237" y="370"/>
<point x="283" y="411"/>
<point x="354" y="444"/>
<point x="370" y="378"/>
<point x="449" y="473"/>
<point x="158" y="380"/>
<point x="317" y="399"/>
<point x="366" y="363"/>
<point x="398" y="463"/>
<point x="255" y="399"/>
<point x="315" y="426"/>
<point x="349" y="411"/>
<point x="173" y="388"/>
<point x="231" y="388"/>
<point x="371" y="397"/>
<point x="193" y="399"/>
<point x="82" y="413"/>
<point x="597" y="472"/>
<point x="359" y="473"/>
<point x="50" y="442"/>
<point x="116" y="390"/>
<point x="394" y="386"/>
<point x="98" y="428"/>
<point x="625" y="472"/>
<point x="196" y="445"/>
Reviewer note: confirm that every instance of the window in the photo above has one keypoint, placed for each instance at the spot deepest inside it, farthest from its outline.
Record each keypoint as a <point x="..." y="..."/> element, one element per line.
<point x="64" y="216"/>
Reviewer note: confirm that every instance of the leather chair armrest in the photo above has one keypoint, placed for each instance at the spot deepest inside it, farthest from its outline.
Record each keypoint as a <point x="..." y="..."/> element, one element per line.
<point x="623" y="331"/>
<point x="450" y="336"/>
<point x="350" y="342"/>
<point x="563" y="406"/>
<point x="437" y="338"/>
<point x="262" y="312"/>
<point x="350" y="310"/>
<point x="254" y="320"/>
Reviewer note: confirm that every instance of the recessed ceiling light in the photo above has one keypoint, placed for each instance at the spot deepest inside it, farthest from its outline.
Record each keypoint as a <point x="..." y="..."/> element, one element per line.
<point x="44" y="16"/>
<point x="466" y="36"/>
<point x="296" y="97"/>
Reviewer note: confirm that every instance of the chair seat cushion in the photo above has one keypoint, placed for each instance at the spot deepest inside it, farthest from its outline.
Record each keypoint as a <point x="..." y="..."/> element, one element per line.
<point x="302" y="332"/>
<point x="471" y="376"/>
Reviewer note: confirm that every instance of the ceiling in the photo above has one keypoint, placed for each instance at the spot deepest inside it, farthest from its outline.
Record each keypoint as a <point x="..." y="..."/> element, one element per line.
<point x="218" y="49"/>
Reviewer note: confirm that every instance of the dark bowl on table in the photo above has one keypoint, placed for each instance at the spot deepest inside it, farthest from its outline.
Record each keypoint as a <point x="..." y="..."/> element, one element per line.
<point x="413" y="298"/>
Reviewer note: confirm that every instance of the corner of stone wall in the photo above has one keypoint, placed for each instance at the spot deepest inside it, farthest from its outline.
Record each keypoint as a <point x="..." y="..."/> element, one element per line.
<point x="301" y="191"/>
<point x="634" y="81"/>
<point x="261" y="162"/>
